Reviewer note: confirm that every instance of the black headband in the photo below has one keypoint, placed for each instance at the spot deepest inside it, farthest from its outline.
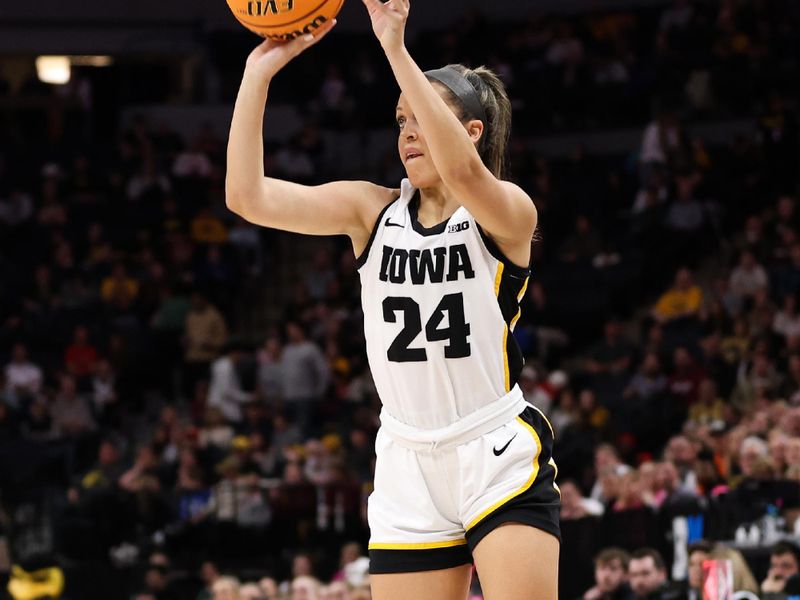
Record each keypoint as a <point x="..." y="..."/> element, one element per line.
<point x="464" y="91"/>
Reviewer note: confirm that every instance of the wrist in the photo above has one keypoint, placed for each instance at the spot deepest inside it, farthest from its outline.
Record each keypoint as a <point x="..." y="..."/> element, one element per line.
<point x="395" y="50"/>
<point x="255" y="74"/>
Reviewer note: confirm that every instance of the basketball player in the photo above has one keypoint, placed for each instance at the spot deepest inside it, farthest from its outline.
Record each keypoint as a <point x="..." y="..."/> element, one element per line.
<point x="464" y="465"/>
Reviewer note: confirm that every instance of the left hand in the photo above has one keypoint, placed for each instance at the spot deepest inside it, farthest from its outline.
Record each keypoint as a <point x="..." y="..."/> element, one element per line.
<point x="389" y="21"/>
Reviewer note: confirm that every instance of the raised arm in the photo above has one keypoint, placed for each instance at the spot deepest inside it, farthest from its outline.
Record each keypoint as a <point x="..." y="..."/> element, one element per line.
<point x="504" y="210"/>
<point x="343" y="207"/>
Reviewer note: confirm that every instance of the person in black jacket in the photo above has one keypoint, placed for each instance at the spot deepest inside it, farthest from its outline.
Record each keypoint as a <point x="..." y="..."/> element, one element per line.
<point x="647" y="575"/>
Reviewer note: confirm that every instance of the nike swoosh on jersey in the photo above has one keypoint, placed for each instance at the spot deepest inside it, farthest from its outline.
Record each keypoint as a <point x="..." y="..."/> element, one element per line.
<point x="388" y="223"/>
<point x="503" y="449"/>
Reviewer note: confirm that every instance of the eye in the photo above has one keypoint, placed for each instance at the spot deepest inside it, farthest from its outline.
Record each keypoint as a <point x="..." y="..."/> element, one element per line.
<point x="401" y="121"/>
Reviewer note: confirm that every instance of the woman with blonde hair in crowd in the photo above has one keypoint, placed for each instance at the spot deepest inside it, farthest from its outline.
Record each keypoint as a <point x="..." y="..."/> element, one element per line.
<point x="225" y="588"/>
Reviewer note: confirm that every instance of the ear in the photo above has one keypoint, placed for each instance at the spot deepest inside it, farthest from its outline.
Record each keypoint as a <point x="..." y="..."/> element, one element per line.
<point x="475" y="130"/>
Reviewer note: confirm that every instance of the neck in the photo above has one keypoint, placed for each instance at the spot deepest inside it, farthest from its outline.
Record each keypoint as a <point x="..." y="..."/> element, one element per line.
<point x="436" y="203"/>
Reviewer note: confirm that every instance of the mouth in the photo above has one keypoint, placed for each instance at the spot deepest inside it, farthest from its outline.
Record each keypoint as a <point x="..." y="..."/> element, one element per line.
<point x="411" y="155"/>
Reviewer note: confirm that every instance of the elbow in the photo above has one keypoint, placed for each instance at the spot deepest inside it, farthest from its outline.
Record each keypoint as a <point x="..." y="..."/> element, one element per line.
<point x="233" y="198"/>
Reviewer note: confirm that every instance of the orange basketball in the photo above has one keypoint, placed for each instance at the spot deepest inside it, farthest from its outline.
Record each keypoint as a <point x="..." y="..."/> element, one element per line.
<point x="283" y="20"/>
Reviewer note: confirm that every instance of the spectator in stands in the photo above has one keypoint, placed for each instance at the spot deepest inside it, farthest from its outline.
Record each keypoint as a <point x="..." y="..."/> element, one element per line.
<point x="305" y="587"/>
<point x="613" y="356"/>
<point x="647" y="383"/>
<point x="269" y="588"/>
<point x="81" y="356"/>
<point x="105" y="473"/>
<point x="610" y="576"/>
<point x="783" y="576"/>
<point x="683" y="300"/>
<point x="607" y="460"/>
<point x="647" y="575"/>
<point x="225" y="390"/>
<point x="787" y="320"/>
<point x="672" y="495"/>
<point x="583" y="244"/>
<point x="72" y="416"/>
<point x="306" y="376"/>
<point x="207" y="228"/>
<point x="682" y="453"/>
<point x="709" y="408"/>
<point x="698" y="552"/>
<point x="320" y="274"/>
<point x="23" y="377"/>
<point x="119" y="290"/>
<point x="206" y="333"/>
<point x="250" y="591"/>
<point x="754" y="459"/>
<point x="104" y="395"/>
<point x="209" y="574"/>
<point x="270" y="373"/>
<point x="685" y="215"/>
<point x="338" y="590"/>
<point x="683" y="383"/>
<point x="225" y="588"/>
<point x="748" y="277"/>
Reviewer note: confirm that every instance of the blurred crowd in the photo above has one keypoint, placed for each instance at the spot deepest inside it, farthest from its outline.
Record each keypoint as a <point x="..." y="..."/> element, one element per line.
<point x="150" y="439"/>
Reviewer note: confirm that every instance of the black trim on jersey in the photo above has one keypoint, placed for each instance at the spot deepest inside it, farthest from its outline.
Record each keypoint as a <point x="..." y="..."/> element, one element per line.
<point x="510" y="287"/>
<point x="413" y="212"/>
<point x="539" y="505"/>
<point x="413" y="561"/>
<point x="362" y="258"/>
<point x="511" y="268"/>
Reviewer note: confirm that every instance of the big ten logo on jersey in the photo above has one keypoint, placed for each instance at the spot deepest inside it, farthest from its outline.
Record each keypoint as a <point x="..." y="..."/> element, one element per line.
<point x="426" y="266"/>
<point x="463" y="226"/>
<point x="257" y="8"/>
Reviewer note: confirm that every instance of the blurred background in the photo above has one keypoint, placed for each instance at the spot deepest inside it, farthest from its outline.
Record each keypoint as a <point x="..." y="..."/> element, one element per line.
<point x="185" y="406"/>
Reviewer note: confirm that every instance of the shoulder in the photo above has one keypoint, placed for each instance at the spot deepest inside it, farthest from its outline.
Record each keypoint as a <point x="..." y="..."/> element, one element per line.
<point x="375" y="199"/>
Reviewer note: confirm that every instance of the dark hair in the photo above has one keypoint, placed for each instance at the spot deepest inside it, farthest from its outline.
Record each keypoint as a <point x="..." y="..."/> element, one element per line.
<point x="658" y="560"/>
<point x="609" y="555"/>
<point x="785" y="547"/>
<point x="492" y="95"/>
<point x="700" y="546"/>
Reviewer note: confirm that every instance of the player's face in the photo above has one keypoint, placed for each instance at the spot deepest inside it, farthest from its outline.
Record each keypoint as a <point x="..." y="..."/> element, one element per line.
<point x="412" y="147"/>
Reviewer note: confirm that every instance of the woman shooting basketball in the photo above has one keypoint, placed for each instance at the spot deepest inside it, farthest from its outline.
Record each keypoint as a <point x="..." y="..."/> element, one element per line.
<point x="464" y="465"/>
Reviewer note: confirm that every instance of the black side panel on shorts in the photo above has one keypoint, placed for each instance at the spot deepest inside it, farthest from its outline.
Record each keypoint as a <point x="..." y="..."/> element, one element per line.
<point x="539" y="505"/>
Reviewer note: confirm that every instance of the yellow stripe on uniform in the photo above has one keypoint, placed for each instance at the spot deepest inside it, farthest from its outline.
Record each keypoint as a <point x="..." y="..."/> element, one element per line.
<point x="524" y="488"/>
<point x="505" y="358"/>
<point x="498" y="278"/>
<point x="546" y="420"/>
<point x="553" y="464"/>
<point x="419" y="546"/>
<point x="519" y="299"/>
<point x="522" y="291"/>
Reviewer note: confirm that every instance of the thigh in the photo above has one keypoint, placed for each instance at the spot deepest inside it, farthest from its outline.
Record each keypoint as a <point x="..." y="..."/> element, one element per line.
<point x="444" y="584"/>
<point x="518" y="562"/>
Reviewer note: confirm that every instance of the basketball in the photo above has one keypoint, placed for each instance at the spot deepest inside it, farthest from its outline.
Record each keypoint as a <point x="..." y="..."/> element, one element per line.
<point x="284" y="20"/>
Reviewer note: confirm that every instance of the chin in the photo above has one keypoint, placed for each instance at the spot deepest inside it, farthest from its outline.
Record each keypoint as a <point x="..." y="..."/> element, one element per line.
<point x="422" y="178"/>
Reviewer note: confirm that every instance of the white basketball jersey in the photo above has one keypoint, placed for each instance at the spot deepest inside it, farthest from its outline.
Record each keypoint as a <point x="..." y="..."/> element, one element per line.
<point x="439" y="307"/>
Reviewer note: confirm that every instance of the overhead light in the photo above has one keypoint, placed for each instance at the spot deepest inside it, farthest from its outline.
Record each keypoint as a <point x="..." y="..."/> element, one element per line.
<point x="53" y="69"/>
<point x="91" y="61"/>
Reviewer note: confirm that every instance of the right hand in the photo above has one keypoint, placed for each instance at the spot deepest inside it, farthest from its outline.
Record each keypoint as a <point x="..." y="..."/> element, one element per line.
<point x="270" y="56"/>
<point x="773" y="584"/>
